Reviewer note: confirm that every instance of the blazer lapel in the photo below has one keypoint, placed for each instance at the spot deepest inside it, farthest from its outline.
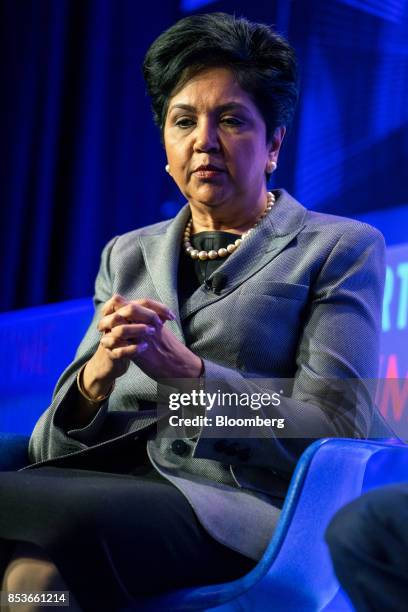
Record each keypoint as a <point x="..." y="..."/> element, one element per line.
<point x="272" y="235"/>
<point x="161" y="251"/>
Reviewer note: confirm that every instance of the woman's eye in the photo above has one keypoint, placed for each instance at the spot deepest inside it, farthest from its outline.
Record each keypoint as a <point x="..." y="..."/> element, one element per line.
<point x="184" y="123"/>
<point x="231" y="121"/>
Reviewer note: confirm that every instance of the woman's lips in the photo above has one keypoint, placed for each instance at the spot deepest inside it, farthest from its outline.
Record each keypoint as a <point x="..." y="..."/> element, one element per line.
<point x="208" y="172"/>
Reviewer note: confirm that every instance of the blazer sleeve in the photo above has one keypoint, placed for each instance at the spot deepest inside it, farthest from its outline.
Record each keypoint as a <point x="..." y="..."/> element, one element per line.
<point x="49" y="438"/>
<point x="336" y="362"/>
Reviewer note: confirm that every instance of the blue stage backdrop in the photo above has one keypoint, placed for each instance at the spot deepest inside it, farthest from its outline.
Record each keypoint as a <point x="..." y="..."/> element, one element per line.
<point x="81" y="160"/>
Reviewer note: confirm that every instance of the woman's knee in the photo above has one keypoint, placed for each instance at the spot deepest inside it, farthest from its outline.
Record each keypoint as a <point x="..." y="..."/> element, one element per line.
<point x="30" y="569"/>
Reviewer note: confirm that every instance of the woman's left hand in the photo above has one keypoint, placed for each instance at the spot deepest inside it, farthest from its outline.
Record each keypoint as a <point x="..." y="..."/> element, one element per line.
<point x="164" y="356"/>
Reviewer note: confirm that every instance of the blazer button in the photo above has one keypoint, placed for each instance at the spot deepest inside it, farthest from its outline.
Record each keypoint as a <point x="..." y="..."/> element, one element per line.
<point x="232" y="449"/>
<point x="180" y="448"/>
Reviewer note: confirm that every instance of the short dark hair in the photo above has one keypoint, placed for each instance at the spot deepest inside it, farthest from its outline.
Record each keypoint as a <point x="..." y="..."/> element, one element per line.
<point x="262" y="60"/>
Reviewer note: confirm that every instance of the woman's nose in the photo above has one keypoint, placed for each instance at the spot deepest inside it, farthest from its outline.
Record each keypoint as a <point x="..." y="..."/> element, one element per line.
<point x="206" y="137"/>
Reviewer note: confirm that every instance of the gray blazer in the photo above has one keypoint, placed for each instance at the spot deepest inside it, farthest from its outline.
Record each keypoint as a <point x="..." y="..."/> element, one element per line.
<point x="301" y="299"/>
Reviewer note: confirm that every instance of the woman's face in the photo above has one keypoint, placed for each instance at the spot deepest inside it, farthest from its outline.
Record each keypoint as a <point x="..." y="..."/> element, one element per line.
<point x="211" y="122"/>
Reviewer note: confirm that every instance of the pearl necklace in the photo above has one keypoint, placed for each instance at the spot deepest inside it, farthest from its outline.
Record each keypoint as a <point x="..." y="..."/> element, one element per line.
<point x="203" y="255"/>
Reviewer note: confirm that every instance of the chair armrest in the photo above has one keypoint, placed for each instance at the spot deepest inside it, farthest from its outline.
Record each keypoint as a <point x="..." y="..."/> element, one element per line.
<point x="13" y="451"/>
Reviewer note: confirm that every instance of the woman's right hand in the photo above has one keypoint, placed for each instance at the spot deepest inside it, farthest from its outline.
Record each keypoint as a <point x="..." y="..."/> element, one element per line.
<point x="105" y="366"/>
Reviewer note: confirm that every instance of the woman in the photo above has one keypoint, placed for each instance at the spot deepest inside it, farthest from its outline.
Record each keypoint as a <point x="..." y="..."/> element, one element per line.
<point x="242" y="285"/>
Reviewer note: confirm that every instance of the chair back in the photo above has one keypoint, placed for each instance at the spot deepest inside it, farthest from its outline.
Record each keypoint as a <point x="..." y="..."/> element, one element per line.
<point x="42" y="342"/>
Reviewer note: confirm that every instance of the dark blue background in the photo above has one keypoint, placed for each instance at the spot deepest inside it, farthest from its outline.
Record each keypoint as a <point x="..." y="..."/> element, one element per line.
<point x="81" y="160"/>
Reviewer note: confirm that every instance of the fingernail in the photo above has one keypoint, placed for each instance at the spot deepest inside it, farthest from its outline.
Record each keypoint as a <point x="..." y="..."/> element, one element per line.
<point x="171" y="315"/>
<point x="150" y="330"/>
<point x="142" y="347"/>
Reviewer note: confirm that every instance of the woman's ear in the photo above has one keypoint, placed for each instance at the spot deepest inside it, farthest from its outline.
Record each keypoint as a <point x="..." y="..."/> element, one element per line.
<point x="274" y="148"/>
<point x="277" y="139"/>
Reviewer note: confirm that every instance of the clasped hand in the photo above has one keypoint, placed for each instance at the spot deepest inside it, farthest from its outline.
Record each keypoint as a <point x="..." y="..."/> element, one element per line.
<point x="136" y="331"/>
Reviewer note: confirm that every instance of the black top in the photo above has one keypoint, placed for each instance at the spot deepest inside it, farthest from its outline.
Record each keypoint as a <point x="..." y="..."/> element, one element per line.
<point x="193" y="272"/>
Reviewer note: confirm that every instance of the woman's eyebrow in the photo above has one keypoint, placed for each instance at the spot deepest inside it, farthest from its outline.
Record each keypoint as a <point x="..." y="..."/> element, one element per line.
<point x="221" y="108"/>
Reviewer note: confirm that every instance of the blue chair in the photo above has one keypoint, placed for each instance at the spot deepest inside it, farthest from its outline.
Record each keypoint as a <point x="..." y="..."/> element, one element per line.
<point x="41" y="343"/>
<point x="295" y="573"/>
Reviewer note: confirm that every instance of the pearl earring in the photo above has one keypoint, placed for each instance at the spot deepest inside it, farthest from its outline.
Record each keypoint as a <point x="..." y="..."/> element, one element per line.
<point x="167" y="168"/>
<point x="274" y="165"/>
